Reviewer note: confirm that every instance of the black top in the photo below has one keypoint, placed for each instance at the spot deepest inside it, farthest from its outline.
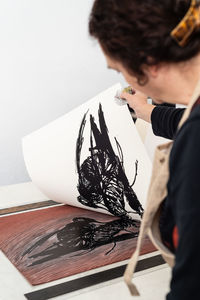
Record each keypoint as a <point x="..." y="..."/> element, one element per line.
<point x="182" y="204"/>
<point x="165" y="120"/>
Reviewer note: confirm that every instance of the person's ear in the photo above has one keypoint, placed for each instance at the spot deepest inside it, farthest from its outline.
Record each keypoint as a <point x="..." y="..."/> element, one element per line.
<point x="152" y="71"/>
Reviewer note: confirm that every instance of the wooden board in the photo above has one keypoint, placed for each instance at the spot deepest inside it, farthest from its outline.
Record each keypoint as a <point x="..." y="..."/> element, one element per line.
<point x="52" y="243"/>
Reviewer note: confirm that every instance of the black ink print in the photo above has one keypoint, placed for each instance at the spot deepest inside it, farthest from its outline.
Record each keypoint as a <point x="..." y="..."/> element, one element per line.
<point x="81" y="236"/>
<point x="102" y="182"/>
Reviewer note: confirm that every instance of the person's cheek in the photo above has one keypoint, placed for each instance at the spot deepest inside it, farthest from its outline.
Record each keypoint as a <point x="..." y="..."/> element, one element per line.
<point x="130" y="80"/>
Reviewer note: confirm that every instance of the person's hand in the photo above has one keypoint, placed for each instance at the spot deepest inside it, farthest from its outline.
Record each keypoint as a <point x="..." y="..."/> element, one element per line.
<point x="138" y="102"/>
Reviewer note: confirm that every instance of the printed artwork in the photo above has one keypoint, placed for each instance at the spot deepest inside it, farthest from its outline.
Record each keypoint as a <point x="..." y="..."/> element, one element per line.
<point x="56" y="242"/>
<point x="102" y="181"/>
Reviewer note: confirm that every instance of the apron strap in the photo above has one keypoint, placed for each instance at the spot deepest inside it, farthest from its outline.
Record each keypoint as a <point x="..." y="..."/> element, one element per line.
<point x="190" y="105"/>
<point x="133" y="261"/>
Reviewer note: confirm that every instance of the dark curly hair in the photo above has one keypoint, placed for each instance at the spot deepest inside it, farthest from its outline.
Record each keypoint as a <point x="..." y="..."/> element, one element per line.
<point x="137" y="32"/>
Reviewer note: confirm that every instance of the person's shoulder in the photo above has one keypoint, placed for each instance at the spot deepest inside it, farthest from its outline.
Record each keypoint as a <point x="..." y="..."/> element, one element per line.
<point x="195" y="114"/>
<point x="186" y="147"/>
<point x="191" y="125"/>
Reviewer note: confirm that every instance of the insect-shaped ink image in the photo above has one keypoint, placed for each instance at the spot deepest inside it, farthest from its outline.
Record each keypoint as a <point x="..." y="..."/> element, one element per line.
<point x="79" y="237"/>
<point x="102" y="181"/>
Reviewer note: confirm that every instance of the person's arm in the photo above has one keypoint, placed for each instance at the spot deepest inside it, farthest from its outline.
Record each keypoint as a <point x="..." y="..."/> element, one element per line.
<point x="138" y="102"/>
<point x="164" y="119"/>
<point x="185" y="202"/>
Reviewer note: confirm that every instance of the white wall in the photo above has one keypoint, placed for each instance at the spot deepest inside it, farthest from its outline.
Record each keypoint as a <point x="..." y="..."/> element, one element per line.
<point x="48" y="65"/>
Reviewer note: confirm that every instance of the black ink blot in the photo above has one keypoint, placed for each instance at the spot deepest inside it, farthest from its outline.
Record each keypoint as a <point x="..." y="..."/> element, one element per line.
<point x="81" y="236"/>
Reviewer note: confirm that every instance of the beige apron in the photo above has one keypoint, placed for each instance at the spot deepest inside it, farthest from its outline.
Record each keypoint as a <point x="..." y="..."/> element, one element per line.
<point x="156" y="194"/>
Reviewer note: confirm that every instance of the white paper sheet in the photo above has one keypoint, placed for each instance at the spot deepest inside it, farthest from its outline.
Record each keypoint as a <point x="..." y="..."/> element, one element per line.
<point x="50" y="152"/>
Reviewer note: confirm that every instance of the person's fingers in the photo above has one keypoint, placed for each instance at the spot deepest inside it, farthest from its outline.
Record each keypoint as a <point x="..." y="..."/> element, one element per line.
<point x="126" y="96"/>
<point x="136" y="99"/>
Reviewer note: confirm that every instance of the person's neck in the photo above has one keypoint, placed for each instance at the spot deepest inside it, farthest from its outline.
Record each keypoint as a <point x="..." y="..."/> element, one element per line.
<point x="185" y="78"/>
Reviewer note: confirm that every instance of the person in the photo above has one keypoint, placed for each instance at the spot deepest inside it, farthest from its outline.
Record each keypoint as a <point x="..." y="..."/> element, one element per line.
<point x="156" y="47"/>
